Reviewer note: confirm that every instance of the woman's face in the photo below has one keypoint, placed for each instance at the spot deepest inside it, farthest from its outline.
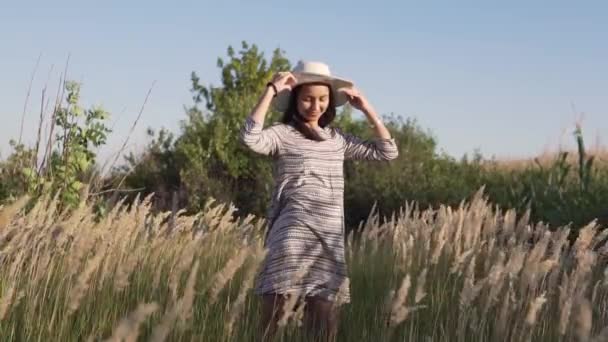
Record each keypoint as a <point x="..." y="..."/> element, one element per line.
<point x="313" y="100"/>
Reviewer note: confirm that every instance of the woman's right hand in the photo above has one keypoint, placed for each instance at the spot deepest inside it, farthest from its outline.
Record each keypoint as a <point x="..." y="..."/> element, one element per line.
<point x="284" y="80"/>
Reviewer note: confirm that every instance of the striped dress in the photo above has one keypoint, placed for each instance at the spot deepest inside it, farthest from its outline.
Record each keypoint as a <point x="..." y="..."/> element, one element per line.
<point x="305" y="240"/>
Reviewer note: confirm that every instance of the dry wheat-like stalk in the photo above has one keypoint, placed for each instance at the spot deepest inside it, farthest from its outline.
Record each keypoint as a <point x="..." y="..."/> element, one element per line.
<point x="287" y="309"/>
<point x="7" y="300"/>
<point x="128" y="328"/>
<point x="82" y="283"/>
<point x="182" y="309"/>
<point x="342" y="290"/>
<point x="503" y="320"/>
<point x="408" y="255"/>
<point x="399" y="311"/>
<point x="125" y="269"/>
<point x="460" y="260"/>
<point x="224" y="275"/>
<point x="294" y="297"/>
<point x="507" y="266"/>
<point x="187" y="300"/>
<point x="420" y="286"/>
<point x="530" y="273"/>
<point x="583" y="320"/>
<point x="158" y="273"/>
<point x="488" y="248"/>
<point x="162" y="330"/>
<point x="516" y="261"/>
<point x="595" y="292"/>
<point x="534" y="309"/>
<point x="471" y="289"/>
<point x="457" y="237"/>
<point x="585" y="237"/>
<point x="183" y="261"/>
<point x="80" y="247"/>
<point x="298" y="316"/>
<point x="8" y="212"/>
<point x="237" y="306"/>
<point x="601" y="336"/>
<point x="441" y="239"/>
<point x="494" y="281"/>
<point x="565" y="301"/>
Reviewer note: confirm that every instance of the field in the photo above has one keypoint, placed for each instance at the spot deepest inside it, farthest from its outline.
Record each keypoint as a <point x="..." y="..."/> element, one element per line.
<point x="165" y="246"/>
<point x="467" y="274"/>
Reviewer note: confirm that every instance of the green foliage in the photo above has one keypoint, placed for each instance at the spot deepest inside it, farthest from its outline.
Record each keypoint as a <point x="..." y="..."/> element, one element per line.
<point x="390" y="185"/>
<point x="16" y="177"/>
<point x="206" y="160"/>
<point x="215" y="162"/>
<point x="156" y="170"/>
<point x="80" y="132"/>
<point x="69" y="159"/>
<point x="561" y="193"/>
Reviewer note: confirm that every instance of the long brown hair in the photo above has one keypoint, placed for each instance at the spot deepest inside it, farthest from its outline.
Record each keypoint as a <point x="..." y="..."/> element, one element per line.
<point x="291" y="116"/>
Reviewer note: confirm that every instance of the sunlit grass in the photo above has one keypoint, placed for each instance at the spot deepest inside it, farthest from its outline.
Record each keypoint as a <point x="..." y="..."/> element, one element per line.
<point x="465" y="274"/>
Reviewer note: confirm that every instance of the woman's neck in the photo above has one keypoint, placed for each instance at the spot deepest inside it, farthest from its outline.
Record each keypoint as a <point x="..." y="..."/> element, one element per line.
<point x="312" y="124"/>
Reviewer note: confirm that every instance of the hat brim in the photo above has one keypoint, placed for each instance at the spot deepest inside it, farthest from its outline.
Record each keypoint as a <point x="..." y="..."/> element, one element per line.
<point x="281" y="101"/>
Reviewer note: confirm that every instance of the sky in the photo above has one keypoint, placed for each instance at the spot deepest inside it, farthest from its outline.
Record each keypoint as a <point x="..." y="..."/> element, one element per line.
<point x="509" y="80"/>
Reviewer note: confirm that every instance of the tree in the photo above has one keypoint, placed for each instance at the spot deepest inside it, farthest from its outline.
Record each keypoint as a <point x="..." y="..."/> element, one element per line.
<point x="207" y="159"/>
<point x="69" y="156"/>
<point x="156" y="170"/>
<point x="215" y="162"/>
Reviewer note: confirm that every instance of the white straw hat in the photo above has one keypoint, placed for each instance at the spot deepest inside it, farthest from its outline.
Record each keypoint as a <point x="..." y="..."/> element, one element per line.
<point x="312" y="72"/>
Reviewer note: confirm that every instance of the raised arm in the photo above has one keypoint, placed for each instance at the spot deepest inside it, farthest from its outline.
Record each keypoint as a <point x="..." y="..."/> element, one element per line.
<point x="356" y="148"/>
<point x="253" y="135"/>
<point x="383" y="147"/>
<point x="260" y="140"/>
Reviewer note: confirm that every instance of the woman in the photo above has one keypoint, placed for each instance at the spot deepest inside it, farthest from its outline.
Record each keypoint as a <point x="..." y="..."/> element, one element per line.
<point x="305" y="239"/>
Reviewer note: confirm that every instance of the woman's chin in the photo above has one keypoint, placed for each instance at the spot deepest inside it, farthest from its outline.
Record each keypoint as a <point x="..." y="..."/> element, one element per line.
<point x="312" y="118"/>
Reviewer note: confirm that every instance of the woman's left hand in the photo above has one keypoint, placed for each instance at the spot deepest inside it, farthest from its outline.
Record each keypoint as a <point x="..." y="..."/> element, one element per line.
<point x="357" y="99"/>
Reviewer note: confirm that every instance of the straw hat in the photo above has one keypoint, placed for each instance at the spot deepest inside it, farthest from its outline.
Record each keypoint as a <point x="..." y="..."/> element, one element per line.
<point x="313" y="72"/>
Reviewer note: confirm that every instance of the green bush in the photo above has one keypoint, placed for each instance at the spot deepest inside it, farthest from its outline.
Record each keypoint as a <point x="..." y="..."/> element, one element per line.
<point x="206" y="160"/>
<point x="62" y="162"/>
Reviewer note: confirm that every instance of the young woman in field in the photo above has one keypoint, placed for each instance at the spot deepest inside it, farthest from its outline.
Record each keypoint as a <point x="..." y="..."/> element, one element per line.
<point x="305" y="239"/>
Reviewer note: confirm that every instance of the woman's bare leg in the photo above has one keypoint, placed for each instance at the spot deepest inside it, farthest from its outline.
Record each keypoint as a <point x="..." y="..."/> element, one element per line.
<point x="272" y="308"/>
<point x="321" y="319"/>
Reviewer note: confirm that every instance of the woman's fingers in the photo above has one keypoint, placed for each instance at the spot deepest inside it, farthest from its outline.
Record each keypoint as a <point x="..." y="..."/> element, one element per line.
<point x="284" y="79"/>
<point x="291" y="80"/>
<point x="355" y="98"/>
<point x="279" y="76"/>
<point x="350" y="92"/>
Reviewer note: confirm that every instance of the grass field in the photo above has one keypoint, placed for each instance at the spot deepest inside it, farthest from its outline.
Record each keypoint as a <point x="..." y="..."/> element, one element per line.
<point x="468" y="274"/>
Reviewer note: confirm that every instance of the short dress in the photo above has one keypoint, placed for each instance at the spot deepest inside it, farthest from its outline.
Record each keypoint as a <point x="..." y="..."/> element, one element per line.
<point x="305" y="237"/>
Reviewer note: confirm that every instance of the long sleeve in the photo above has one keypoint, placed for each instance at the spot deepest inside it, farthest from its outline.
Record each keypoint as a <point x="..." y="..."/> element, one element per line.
<point x="263" y="141"/>
<point x="356" y="148"/>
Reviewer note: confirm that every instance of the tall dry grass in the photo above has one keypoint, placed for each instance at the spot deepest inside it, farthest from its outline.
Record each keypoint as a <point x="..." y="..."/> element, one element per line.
<point x="547" y="157"/>
<point x="468" y="274"/>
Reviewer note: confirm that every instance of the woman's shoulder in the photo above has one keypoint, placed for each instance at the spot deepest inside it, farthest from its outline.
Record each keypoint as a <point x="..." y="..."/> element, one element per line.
<point x="280" y="126"/>
<point x="336" y="131"/>
<point x="281" y="129"/>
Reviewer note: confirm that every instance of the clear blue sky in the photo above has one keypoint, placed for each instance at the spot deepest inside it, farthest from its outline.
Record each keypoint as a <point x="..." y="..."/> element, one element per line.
<point x="500" y="78"/>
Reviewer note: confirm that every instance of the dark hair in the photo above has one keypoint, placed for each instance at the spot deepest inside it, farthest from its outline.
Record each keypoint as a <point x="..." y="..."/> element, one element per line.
<point x="292" y="117"/>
